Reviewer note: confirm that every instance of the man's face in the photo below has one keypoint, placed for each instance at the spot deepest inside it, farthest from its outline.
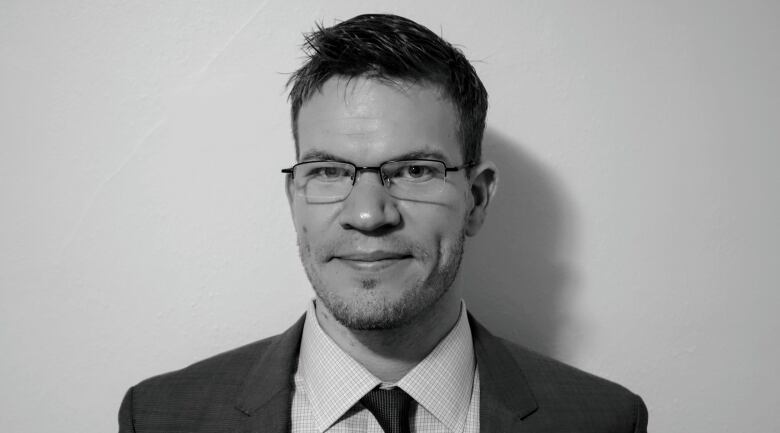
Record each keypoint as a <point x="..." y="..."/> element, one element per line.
<point x="377" y="262"/>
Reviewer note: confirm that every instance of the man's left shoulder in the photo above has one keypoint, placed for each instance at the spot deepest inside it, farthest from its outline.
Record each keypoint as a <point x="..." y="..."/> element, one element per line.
<point x="555" y="394"/>
<point x="548" y="377"/>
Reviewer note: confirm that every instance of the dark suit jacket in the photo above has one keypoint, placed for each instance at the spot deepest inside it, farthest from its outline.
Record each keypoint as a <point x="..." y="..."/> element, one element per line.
<point x="249" y="389"/>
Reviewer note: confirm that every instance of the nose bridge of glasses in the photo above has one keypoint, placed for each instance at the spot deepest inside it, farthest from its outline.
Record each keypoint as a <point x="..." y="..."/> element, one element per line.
<point x="359" y="172"/>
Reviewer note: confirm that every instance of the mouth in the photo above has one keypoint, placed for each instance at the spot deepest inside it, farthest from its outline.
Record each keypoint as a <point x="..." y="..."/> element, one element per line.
<point x="372" y="261"/>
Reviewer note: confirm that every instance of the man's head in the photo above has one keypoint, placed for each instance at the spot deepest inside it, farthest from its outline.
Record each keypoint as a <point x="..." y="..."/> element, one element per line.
<point x="396" y="50"/>
<point x="382" y="247"/>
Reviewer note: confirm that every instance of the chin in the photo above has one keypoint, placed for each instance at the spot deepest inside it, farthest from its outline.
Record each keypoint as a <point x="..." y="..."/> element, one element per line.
<point x="372" y="306"/>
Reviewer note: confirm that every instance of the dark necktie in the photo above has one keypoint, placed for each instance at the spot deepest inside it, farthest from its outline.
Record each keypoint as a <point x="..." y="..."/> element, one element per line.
<point x="390" y="407"/>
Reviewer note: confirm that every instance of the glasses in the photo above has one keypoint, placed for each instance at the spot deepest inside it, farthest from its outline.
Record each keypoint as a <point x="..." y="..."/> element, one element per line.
<point x="409" y="179"/>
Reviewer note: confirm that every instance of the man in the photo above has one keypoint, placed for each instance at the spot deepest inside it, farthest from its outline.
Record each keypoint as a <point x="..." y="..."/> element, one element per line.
<point x="388" y="121"/>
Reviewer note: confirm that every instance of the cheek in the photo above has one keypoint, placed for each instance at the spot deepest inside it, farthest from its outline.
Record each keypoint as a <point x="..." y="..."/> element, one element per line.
<point x="304" y="240"/>
<point x="312" y="225"/>
<point x="440" y="232"/>
<point x="313" y="217"/>
<point x="306" y="222"/>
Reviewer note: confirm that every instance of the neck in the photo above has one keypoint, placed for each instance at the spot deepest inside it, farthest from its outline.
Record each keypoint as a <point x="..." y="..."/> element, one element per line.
<point x="389" y="354"/>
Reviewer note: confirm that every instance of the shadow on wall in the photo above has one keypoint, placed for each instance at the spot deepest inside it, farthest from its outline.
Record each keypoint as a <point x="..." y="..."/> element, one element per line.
<point x="515" y="273"/>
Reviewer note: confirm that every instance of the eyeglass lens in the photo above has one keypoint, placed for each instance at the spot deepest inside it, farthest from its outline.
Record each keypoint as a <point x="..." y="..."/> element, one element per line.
<point x="330" y="181"/>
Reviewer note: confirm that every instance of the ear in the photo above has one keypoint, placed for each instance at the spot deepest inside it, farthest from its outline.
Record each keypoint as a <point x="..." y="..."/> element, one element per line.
<point x="484" y="181"/>
<point x="289" y="189"/>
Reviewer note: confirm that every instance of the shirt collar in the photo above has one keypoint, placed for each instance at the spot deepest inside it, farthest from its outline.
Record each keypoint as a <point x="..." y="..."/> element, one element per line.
<point x="442" y="382"/>
<point x="334" y="381"/>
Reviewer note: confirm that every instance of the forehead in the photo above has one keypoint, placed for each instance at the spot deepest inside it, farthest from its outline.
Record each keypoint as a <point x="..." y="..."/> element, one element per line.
<point x="369" y="121"/>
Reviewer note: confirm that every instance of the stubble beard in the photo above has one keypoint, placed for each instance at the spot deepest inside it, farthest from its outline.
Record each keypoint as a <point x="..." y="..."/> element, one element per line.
<point x="362" y="309"/>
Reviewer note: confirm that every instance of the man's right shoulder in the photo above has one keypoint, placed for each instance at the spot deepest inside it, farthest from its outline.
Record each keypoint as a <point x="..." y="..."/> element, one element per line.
<point x="225" y="368"/>
<point x="211" y="389"/>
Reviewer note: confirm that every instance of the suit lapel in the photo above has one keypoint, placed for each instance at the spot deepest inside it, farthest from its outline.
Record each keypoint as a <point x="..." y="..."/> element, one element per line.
<point x="267" y="396"/>
<point x="505" y="397"/>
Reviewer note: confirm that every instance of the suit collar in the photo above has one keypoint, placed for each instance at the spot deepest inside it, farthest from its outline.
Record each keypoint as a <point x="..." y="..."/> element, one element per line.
<point x="505" y="396"/>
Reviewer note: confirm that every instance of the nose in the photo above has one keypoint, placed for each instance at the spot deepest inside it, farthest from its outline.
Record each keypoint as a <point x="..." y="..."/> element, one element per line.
<point x="369" y="207"/>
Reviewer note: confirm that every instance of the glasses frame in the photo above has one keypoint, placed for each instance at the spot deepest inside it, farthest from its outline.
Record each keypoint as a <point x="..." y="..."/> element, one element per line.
<point x="378" y="168"/>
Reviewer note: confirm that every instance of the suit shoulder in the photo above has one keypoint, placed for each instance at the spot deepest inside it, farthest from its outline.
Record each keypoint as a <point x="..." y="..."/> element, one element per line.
<point x="549" y="395"/>
<point x="205" y="396"/>
<point x="213" y="381"/>
<point x="554" y="380"/>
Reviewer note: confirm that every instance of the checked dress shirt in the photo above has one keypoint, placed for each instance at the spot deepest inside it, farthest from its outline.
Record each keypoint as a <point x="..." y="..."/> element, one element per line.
<point x="329" y="385"/>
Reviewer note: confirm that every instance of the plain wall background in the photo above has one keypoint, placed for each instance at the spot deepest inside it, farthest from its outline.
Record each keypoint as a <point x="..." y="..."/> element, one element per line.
<point x="635" y="232"/>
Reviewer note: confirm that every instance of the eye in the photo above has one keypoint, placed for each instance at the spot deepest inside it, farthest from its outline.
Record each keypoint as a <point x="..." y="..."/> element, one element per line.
<point x="414" y="172"/>
<point x="417" y="171"/>
<point x="326" y="172"/>
<point x="331" y="172"/>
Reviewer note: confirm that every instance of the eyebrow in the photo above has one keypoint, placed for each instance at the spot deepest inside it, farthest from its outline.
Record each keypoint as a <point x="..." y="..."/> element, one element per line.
<point x="319" y="155"/>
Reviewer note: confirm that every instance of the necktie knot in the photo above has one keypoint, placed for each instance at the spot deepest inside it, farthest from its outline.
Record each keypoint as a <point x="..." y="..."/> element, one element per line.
<point x="390" y="408"/>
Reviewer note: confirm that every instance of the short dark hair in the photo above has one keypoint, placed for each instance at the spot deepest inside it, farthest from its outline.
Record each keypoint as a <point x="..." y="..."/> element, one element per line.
<point x="390" y="47"/>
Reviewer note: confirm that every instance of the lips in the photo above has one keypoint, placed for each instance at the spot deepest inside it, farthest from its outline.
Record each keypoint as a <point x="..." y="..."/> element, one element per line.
<point x="371" y="260"/>
<point x="372" y="256"/>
